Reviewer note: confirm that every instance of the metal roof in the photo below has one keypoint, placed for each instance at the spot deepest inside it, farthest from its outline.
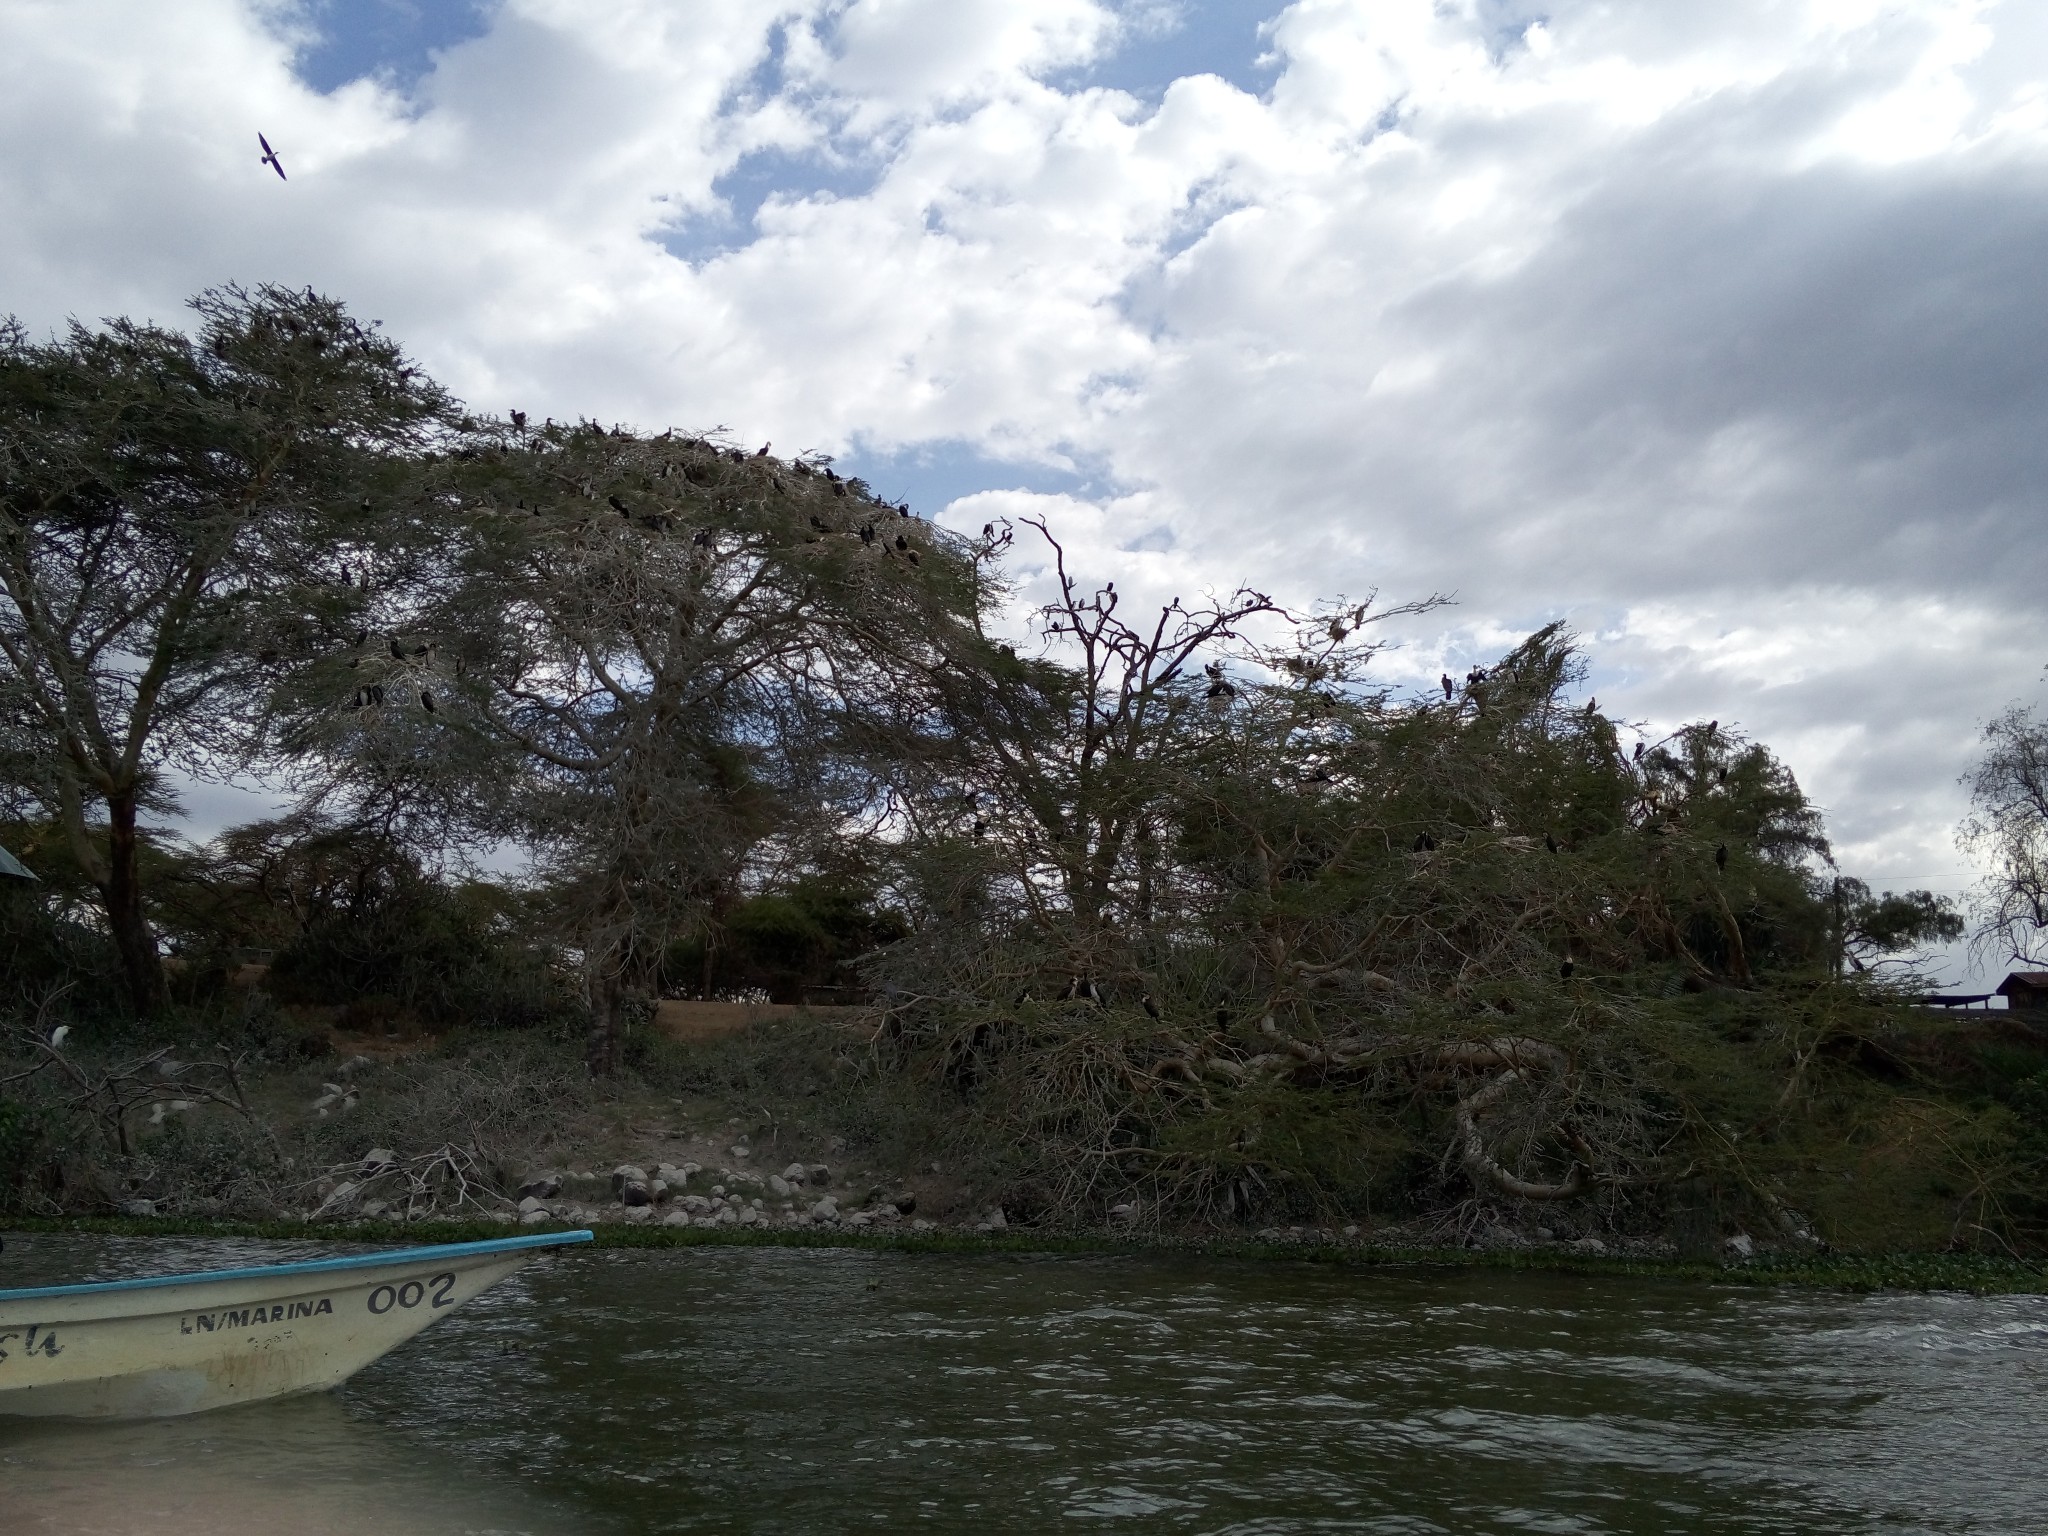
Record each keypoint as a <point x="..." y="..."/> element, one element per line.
<point x="2025" y="979"/>
<point x="12" y="868"/>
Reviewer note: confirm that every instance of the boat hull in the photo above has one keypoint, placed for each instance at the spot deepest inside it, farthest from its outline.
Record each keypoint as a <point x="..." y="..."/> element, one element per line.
<point x="147" y="1349"/>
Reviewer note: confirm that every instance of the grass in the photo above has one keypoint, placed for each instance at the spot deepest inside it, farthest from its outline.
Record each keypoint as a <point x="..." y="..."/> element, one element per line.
<point x="1976" y="1274"/>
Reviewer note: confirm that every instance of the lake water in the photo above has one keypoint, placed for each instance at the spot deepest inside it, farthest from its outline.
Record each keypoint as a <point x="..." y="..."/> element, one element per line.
<point x="784" y="1390"/>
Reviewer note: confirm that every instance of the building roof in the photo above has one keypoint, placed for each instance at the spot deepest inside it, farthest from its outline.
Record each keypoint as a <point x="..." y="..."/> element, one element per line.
<point x="2023" y="981"/>
<point x="12" y="868"/>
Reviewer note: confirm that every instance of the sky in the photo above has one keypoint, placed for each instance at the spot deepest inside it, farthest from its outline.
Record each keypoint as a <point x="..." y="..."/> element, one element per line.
<point x="1716" y="331"/>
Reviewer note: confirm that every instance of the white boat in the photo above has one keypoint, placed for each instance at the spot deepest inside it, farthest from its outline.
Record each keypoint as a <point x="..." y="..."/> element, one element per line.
<point x="172" y="1344"/>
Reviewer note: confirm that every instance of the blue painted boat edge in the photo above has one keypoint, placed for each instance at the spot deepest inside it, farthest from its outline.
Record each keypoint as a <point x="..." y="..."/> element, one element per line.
<point x="430" y="1254"/>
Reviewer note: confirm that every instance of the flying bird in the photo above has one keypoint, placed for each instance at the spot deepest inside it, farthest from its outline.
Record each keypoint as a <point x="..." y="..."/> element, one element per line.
<point x="270" y="158"/>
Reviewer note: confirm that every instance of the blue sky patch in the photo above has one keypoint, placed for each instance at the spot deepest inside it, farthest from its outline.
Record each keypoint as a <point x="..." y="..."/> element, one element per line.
<point x="394" y="40"/>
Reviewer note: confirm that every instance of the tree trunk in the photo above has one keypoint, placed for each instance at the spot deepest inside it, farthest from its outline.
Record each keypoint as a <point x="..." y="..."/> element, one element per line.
<point x="602" y="1045"/>
<point x="121" y="892"/>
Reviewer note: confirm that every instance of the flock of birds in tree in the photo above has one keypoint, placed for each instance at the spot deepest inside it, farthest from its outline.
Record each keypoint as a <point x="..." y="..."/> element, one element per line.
<point x="1219" y="693"/>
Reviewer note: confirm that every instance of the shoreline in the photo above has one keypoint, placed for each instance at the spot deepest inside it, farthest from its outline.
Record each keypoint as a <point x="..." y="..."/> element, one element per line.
<point x="1922" y="1272"/>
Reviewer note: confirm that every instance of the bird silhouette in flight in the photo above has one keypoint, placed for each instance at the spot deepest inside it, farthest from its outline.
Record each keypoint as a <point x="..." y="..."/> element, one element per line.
<point x="270" y="158"/>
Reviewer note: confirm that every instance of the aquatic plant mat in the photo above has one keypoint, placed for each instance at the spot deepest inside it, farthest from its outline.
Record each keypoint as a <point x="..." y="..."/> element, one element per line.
<point x="1977" y="1274"/>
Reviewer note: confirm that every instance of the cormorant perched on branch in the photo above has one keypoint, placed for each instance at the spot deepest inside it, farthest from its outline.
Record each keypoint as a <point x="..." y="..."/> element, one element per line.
<point x="1721" y="857"/>
<point x="902" y="542"/>
<point x="1551" y="842"/>
<point x="1639" y="752"/>
<point x="519" y="421"/>
<point x="1449" y="686"/>
<point x="1150" y="1006"/>
<point x="1424" y="843"/>
<point x="619" y="506"/>
<point x="426" y="701"/>
<point x="762" y="451"/>
<point x="397" y="651"/>
<point x="1564" y="969"/>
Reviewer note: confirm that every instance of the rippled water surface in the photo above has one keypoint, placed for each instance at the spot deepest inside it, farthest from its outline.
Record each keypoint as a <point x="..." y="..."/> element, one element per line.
<point x="794" y="1390"/>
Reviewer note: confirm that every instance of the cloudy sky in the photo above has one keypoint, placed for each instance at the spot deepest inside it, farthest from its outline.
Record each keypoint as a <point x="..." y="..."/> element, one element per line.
<point x="1716" y="330"/>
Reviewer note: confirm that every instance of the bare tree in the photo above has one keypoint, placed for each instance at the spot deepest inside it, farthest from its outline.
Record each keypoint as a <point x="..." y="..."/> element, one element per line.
<point x="2008" y="829"/>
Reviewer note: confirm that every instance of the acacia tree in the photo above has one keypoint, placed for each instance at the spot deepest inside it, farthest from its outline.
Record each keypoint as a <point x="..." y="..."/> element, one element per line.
<point x="642" y="658"/>
<point x="176" y="517"/>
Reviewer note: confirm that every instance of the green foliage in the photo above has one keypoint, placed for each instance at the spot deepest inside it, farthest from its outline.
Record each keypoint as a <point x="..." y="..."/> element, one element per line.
<point x="796" y="945"/>
<point x="26" y="1136"/>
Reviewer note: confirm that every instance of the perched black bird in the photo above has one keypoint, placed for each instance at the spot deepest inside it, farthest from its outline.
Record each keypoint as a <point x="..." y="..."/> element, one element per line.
<point x="619" y="506"/>
<point x="980" y="827"/>
<point x="762" y="451"/>
<point x="1721" y="857"/>
<point x="348" y="577"/>
<point x="902" y="542"/>
<point x="1639" y="752"/>
<point x="703" y="538"/>
<point x="867" y="533"/>
<point x="912" y="557"/>
<point x="359" y="698"/>
<point x="1564" y="969"/>
<point x="1592" y="706"/>
<point x="397" y="651"/>
<point x="904" y="510"/>
<point x="1220" y="691"/>
<point x="1022" y="998"/>
<point x="1476" y="675"/>
<point x="1424" y="843"/>
<point x="426" y="701"/>
<point x="1150" y="1006"/>
<point x="988" y="530"/>
<point x="1713" y="726"/>
<point x="819" y="523"/>
<point x="1449" y="686"/>
<point x="519" y="421"/>
<point x="376" y="692"/>
<point x="1551" y="842"/>
<point x="270" y="158"/>
<point x="361" y="636"/>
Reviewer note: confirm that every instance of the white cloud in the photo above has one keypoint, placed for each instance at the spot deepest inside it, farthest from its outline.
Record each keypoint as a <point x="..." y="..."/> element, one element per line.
<point x="1716" y="329"/>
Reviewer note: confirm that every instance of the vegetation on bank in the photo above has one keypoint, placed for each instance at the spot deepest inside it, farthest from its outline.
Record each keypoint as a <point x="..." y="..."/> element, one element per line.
<point x="1973" y="1273"/>
<point x="1184" y="910"/>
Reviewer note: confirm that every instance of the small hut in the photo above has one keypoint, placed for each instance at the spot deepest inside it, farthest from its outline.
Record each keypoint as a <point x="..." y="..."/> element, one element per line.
<point x="12" y="868"/>
<point x="2025" y="991"/>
